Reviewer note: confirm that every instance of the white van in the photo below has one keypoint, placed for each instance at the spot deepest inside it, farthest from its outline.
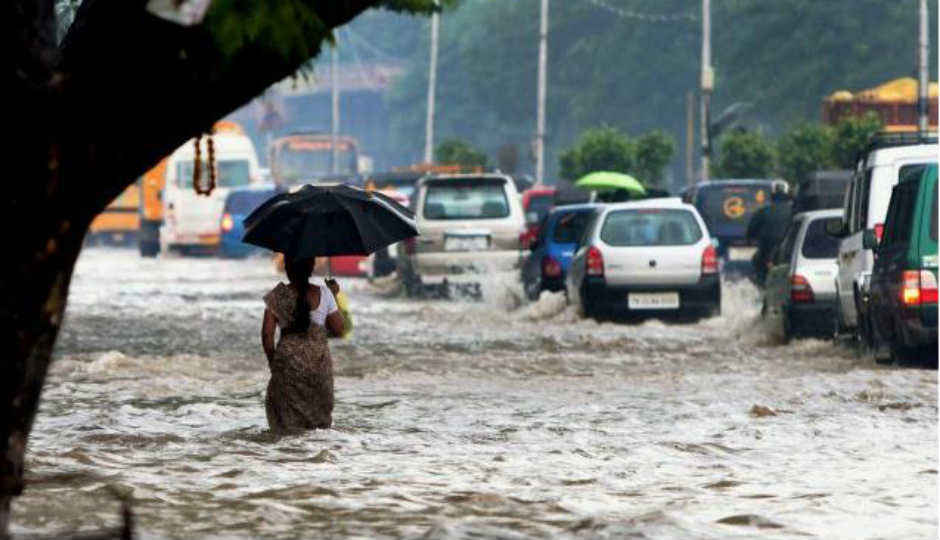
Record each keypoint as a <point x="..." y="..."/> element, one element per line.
<point x="866" y="205"/>
<point x="192" y="221"/>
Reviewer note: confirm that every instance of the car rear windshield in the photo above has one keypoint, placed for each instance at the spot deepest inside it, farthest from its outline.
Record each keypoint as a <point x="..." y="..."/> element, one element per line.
<point x="730" y="203"/>
<point x="231" y="173"/>
<point x="244" y="202"/>
<point x="570" y="227"/>
<point x="817" y="244"/>
<point x="466" y="199"/>
<point x="650" y="227"/>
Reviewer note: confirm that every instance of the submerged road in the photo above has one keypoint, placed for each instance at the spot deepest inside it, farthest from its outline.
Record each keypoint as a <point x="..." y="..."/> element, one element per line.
<point x="466" y="419"/>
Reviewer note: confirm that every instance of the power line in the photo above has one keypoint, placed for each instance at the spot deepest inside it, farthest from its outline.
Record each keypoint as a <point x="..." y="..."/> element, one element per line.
<point x="648" y="17"/>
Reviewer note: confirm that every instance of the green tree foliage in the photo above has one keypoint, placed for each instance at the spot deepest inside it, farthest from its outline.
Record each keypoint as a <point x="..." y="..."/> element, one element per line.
<point x="654" y="150"/>
<point x="459" y="152"/>
<point x="599" y="149"/>
<point x="851" y="136"/>
<point x="805" y="148"/>
<point x="609" y="149"/>
<point x="744" y="154"/>
<point x="784" y="57"/>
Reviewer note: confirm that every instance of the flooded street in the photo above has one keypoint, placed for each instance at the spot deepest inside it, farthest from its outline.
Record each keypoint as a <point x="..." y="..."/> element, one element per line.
<point x="466" y="420"/>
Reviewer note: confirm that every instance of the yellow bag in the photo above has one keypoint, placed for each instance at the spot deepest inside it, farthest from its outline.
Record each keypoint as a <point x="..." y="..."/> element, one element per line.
<point x="342" y="301"/>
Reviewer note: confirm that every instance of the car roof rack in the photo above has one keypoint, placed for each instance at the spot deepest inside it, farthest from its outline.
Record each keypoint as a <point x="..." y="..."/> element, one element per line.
<point x="885" y="139"/>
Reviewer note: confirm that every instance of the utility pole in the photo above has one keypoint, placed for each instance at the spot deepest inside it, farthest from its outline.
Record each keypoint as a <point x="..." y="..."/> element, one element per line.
<point x="708" y="81"/>
<point x="334" y="89"/>
<point x="922" y="82"/>
<point x="689" y="137"/>
<point x="432" y="84"/>
<point x="540" y="121"/>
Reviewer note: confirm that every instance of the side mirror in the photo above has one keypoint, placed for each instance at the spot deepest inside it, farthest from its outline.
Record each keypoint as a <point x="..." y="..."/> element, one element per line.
<point x="869" y="240"/>
<point x="715" y="243"/>
<point x="532" y="218"/>
<point x="835" y="227"/>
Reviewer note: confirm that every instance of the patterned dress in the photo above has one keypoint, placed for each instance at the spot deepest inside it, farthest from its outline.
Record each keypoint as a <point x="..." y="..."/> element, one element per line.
<point x="300" y="392"/>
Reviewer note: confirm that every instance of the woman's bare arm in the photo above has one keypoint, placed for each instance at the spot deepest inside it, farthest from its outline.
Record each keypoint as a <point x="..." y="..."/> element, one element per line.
<point x="335" y="324"/>
<point x="268" y="328"/>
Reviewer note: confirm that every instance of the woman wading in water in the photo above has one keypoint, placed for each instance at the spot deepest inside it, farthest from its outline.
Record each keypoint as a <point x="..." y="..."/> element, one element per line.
<point x="300" y="392"/>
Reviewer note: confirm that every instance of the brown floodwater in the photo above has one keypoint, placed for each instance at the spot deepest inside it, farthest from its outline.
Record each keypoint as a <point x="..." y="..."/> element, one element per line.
<point x="466" y="420"/>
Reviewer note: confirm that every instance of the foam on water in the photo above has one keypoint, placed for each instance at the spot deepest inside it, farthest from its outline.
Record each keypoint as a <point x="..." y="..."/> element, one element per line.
<point x="466" y="418"/>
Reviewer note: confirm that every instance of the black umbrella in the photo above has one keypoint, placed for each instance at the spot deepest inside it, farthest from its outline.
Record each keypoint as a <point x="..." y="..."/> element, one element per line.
<point x="317" y="221"/>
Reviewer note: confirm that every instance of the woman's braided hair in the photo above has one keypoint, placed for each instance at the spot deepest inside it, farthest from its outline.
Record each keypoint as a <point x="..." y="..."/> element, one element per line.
<point x="298" y="273"/>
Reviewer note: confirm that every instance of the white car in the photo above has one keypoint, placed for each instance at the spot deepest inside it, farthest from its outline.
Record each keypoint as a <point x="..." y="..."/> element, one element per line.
<point x="866" y="205"/>
<point x="467" y="223"/>
<point x="652" y="256"/>
<point x="800" y="290"/>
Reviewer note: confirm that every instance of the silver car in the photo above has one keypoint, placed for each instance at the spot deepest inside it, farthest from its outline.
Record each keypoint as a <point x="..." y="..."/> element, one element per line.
<point x="653" y="256"/>
<point x="800" y="291"/>
<point x="467" y="223"/>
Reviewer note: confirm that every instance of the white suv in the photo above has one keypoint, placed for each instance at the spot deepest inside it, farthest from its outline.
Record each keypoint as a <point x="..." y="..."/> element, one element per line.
<point x="467" y="223"/>
<point x="866" y="205"/>
<point x="646" y="257"/>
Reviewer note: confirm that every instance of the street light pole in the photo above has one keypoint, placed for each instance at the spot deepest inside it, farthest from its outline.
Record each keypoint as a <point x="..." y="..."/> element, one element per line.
<point x="707" y="82"/>
<point x="334" y="91"/>
<point x="922" y="55"/>
<point x="432" y="83"/>
<point x="540" y="121"/>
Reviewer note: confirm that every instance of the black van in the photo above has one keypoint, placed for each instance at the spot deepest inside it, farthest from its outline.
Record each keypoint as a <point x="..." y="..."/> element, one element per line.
<point x="727" y="207"/>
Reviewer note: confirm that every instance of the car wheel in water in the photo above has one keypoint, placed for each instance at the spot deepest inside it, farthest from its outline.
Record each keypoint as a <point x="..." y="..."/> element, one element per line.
<point x="786" y="328"/>
<point x="532" y="290"/>
<point x="149" y="249"/>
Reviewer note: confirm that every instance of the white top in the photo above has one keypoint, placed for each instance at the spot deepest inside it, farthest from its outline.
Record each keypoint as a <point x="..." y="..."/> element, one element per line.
<point x="326" y="307"/>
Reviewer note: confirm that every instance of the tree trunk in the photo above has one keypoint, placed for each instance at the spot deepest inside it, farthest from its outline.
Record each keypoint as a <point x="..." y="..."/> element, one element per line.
<point x="86" y="119"/>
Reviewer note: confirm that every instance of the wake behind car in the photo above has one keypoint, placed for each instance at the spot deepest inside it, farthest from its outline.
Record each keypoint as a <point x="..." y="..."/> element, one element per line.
<point x="653" y="256"/>
<point x="904" y="278"/>
<point x="547" y="264"/>
<point x="467" y="223"/>
<point x="800" y="291"/>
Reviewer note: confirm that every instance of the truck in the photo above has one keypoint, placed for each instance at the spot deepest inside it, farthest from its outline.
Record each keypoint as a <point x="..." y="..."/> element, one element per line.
<point x="119" y="222"/>
<point x="307" y="158"/>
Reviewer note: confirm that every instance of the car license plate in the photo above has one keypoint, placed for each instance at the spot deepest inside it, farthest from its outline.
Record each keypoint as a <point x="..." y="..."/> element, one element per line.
<point x="741" y="253"/>
<point x="665" y="300"/>
<point x="465" y="243"/>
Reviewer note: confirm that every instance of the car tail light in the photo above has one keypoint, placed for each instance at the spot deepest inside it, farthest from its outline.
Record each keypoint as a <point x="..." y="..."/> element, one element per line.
<point x="709" y="260"/>
<point x="227" y="222"/>
<point x="550" y="267"/>
<point x="918" y="287"/>
<point x="410" y="245"/>
<point x="879" y="230"/>
<point x="595" y="262"/>
<point x="800" y="290"/>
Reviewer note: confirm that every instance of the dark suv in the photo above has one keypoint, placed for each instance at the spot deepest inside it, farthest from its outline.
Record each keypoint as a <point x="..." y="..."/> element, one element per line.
<point x="904" y="277"/>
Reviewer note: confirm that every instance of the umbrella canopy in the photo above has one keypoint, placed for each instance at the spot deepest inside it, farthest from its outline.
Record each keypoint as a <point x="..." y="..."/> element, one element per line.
<point x="317" y="221"/>
<point x="606" y="180"/>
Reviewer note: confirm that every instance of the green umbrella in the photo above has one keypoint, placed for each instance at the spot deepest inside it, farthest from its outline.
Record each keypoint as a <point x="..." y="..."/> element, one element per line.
<point x="606" y="180"/>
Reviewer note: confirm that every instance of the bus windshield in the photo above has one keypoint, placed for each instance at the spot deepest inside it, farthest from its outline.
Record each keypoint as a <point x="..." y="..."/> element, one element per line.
<point x="295" y="164"/>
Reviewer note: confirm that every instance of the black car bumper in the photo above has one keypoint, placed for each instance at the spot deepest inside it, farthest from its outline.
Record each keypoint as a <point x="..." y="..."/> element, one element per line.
<point x="703" y="295"/>
<point x="812" y="319"/>
<point x="919" y="327"/>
